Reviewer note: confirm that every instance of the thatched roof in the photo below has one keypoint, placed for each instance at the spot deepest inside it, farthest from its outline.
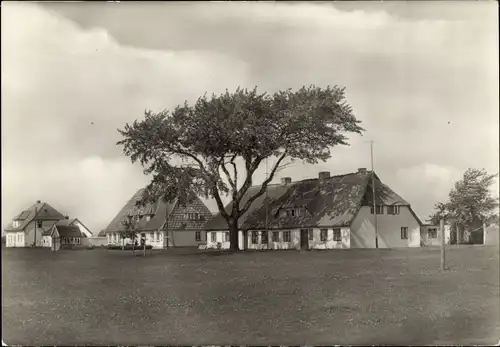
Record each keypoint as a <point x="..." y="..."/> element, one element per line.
<point x="329" y="202"/>
<point x="158" y="211"/>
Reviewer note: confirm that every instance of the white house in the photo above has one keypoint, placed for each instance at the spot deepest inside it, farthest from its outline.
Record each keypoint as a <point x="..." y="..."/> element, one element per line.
<point x="323" y="213"/>
<point x="27" y="228"/>
<point x="162" y="224"/>
<point x="430" y="235"/>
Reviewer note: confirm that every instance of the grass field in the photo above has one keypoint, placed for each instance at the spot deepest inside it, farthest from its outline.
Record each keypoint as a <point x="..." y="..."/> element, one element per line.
<point x="188" y="297"/>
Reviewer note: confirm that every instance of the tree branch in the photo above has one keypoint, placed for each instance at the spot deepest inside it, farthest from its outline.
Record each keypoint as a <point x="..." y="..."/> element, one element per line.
<point x="218" y="200"/>
<point x="228" y="175"/>
<point x="251" y="167"/>
<point x="235" y="171"/>
<point x="264" y="184"/>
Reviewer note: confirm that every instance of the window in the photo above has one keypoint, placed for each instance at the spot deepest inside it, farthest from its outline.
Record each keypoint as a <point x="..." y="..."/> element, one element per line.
<point x="292" y="212"/>
<point x="323" y="234"/>
<point x="337" y="236"/>
<point x="157" y="236"/>
<point x="226" y="236"/>
<point x="214" y="237"/>
<point x="19" y="238"/>
<point x="392" y="209"/>
<point x="286" y="236"/>
<point x="311" y="234"/>
<point x="264" y="237"/>
<point x="15" y="224"/>
<point x="404" y="233"/>
<point x="255" y="236"/>
<point x="276" y="236"/>
<point x="432" y="233"/>
<point x="148" y="218"/>
<point x="39" y="223"/>
<point x="380" y="209"/>
<point x="197" y="236"/>
<point x="192" y="216"/>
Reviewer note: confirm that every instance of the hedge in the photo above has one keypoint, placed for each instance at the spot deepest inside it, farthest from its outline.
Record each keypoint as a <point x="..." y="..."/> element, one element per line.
<point x="129" y="247"/>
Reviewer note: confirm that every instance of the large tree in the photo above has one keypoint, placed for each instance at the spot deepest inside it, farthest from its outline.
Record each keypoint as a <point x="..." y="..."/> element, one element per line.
<point x="470" y="203"/>
<point x="214" y="147"/>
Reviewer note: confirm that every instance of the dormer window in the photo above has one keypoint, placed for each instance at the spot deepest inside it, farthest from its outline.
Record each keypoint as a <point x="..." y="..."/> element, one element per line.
<point x="192" y="216"/>
<point x="291" y="212"/>
<point x="148" y="218"/>
<point x="15" y="224"/>
<point x="392" y="209"/>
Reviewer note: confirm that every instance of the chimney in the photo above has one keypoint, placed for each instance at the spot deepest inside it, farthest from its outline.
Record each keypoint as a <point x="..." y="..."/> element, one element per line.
<point x="38" y="201"/>
<point x="286" y="180"/>
<point x="66" y="217"/>
<point x="324" y="175"/>
<point x="362" y="169"/>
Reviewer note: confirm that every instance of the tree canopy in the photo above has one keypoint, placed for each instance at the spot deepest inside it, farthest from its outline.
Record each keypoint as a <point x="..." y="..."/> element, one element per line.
<point x="214" y="147"/>
<point x="128" y="231"/>
<point x="470" y="201"/>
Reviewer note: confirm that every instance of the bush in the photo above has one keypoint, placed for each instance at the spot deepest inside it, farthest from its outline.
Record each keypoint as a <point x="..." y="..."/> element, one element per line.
<point x="129" y="247"/>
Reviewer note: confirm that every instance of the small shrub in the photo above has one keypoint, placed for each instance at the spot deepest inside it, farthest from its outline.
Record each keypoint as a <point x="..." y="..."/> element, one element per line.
<point x="129" y="247"/>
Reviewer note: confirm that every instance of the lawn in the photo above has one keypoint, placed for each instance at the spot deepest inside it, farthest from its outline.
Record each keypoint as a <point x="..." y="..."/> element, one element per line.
<point x="188" y="297"/>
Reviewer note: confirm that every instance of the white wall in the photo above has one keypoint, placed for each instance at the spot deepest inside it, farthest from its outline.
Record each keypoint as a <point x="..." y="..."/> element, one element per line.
<point x="155" y="239"/>
<point x="293" y="244"/>
<point x="186" y="238"/>
<point x="294" y="240"/>
<point x="220" y="238"/>
<point x="15" y="239"/>
<point x="47" y="241"/>
<point x="83" y="229"/>
<point x="424" y="235"/>
<point x="389" y="229"/>
<point x="94" y="241"/>
<point x="316" y="243"/>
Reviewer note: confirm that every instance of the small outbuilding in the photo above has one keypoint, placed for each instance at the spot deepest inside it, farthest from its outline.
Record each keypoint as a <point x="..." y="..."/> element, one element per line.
<point x="66" y="236"/>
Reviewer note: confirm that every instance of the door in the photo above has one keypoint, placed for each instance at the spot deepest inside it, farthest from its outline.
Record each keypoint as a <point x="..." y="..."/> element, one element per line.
<point x="304" y="239"/>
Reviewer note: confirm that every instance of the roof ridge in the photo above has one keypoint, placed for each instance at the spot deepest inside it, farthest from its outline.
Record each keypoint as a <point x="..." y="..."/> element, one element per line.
<point x="312" y="179"/>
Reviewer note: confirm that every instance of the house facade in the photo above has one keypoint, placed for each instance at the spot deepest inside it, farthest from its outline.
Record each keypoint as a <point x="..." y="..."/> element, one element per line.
<point x="64" y="234"/>
<point x="162" y="224"/>
<point x="27" y="228"/>
<point x="491" y="235"/>
<point x="430" y="235"/>
<point x="328" y="212"/>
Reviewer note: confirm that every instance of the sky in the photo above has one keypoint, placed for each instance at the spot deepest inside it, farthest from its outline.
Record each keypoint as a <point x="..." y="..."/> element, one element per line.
<point x="422" y="77"/>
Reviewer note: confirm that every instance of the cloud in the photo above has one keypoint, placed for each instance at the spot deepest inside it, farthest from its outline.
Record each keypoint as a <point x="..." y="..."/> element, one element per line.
<point x="65" y="91"/>
<point x="423" y="79"/>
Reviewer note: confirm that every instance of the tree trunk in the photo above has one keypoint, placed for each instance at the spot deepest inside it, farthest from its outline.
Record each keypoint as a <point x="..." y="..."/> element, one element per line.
<point x="233" y="236"/>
